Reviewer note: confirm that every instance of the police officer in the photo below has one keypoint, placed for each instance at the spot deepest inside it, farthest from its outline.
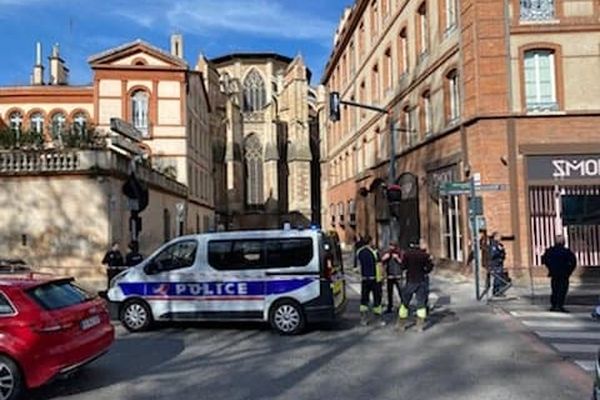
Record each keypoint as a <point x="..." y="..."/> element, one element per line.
<point x="113" y="259"/>
<point x="496" y="256"/>
<point x="392" y="260"/>
<point x="133" y="257"/>
<point x="418" y="264"/>
<point x="371" y="279"/>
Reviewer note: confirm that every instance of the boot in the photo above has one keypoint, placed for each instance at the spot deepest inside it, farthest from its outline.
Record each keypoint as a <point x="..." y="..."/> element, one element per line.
<point x="380" y="321"/>
<point x="420" y="324"/>
<point x="364" y="318"/>
<point x="401" y="324"/>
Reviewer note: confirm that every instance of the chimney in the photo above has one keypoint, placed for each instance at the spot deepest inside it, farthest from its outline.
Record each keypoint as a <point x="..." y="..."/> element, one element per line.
<point x="59" y="73"/>
<point x="177" y="45"/>
<point x="37" y="78"/>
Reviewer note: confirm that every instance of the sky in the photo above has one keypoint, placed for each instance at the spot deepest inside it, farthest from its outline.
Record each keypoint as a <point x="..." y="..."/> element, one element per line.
<point x="211" y="27"/>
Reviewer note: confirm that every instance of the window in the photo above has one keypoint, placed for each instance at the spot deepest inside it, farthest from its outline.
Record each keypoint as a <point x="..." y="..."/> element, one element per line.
<point x="232" y="255"/>
<point x="166" y="225"/>
<point x="540" y="84"/>
<point x="403" y="52"/>
<point x="408" y="123"/>
<point x="332" y="214"/>
<point x="375" y="84"/>
<point x="139" y="111"/>
<point x="255" y="96"/>
<point x="340" y="209"/>
<point x="36" y="122"/>
<point x="450" y="10"/>
<point x="385" y="8"/>
<point x="15" y="119"/>
<point x="374" y="19"/>
<point x="352" y="59"/>
<point x="423" y="29"/>
<point x="453" y="92"/>
<point x="176" y="256"/>
<point x="80" y="123"/>
<point x="361" y="41"/>
<point x="387" y="70"/>
<point x="352" y="212"/>
<point x="537" y="10"/>
<point x="59" y="122"/>
<point x="57" y="295"/>
<point x="427" y="114"/>
<point x="362" y="95"/>
<point x="254" y="170"/>
<point x="5" y="306"/>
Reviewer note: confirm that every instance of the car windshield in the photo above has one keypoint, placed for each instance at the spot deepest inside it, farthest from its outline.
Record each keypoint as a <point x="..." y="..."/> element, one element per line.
<point x="57" y="295"/>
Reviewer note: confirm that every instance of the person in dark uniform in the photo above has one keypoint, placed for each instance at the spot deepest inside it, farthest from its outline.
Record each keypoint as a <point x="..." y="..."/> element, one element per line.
<point x="113" y="259"/>
<point x="392" y="259"/>
<point x="561" y="263"/>
<point x="133" y="257"/>
<point x="371" y="279"/>
<point x="496" y="257"/>
<point x="418" y="264"/>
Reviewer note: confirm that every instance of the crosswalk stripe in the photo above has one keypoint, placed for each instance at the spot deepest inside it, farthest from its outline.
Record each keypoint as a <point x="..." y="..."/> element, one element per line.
<point x="575" y="347"/>
<point x="549" y="314"/>
<point x="568" y="335"/>
<point x="587" y="365"/>
<point x="570" y="324"/>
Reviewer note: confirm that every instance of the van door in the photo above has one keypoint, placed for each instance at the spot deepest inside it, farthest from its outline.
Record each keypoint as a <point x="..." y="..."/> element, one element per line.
<point x="236" y="278"/>
<point x="171" y="281"/>
<point x="333" y="269"/>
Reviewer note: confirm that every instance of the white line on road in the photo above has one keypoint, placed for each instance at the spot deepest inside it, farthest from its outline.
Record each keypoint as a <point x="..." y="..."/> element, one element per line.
<point x="575" y="325"/>
<point x="549" y="314"/>
<point x="594" y="335"/>
<point x="587" y="365"/>
<point x="575" y="348"/>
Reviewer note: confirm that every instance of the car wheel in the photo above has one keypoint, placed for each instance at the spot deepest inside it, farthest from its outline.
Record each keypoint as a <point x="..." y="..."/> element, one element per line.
<point x="136" y="316"/>
<point x="11" y="380"/>
<point x="287" y="318"/>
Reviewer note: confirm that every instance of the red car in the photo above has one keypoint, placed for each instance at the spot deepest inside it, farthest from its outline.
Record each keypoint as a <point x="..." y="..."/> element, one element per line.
<point x="48" y="328"/>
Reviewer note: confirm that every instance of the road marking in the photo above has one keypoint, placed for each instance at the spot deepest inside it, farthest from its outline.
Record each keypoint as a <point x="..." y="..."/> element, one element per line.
<point x="568" y="335"/>
<point x="550" y="314"/>
<point x="355" y="287"/>
<point x="575" y="325"/>
<point x="575" y="347"/>
<point x="587" y="365"/>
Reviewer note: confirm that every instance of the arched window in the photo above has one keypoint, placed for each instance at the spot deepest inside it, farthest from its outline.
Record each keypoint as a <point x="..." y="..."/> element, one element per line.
<point x="255" y="96"/>
<point x="254" y="170"/>
<point x="36" y="122"/>
<point x="80" y="123"/>
<point x="15" y="119"/>
<point x="59" y="122"/>
<point x="139" y="111"/>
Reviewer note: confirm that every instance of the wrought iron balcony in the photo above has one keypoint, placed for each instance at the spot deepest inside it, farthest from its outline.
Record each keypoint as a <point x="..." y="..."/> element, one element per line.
<point x="542" y="107"/>
<point x="537" y="10"/>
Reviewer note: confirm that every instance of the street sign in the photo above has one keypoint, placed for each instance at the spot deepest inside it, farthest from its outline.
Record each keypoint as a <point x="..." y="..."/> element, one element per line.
<point x="462" y="188"/>
<point x="126" y="129"/>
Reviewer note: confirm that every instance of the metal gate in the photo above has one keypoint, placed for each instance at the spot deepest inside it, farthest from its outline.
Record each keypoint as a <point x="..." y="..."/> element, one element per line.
<point x="546" y="222"/>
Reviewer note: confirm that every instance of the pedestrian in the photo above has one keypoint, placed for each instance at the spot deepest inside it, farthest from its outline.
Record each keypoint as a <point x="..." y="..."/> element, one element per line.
<point x="113" y="259"/>
<point x="418" y="264"/>
<point x="392" y="260"/>
<point x="371" y="278"/>
<point x="133" y="257"/>
<point x="561" y="263"/>
<point x="358" y="243"/>
<point x="495" y="259"/>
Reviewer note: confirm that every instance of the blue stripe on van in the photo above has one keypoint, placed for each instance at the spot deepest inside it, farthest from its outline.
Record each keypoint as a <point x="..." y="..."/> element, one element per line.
<point x="211" y="289"/>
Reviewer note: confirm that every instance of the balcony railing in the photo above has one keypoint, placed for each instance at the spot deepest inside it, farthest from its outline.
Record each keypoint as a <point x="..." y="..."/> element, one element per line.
<point x="542" y="107"/>
<point x="537" y="10"/>
<point x="16" y="162"/>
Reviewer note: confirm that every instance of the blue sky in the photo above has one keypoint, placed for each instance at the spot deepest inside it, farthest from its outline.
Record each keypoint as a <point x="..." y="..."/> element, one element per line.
<point x="212" y="27"/>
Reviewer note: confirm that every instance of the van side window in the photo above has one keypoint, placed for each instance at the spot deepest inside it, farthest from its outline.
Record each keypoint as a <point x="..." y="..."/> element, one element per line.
<point x="5" y="307"/>
<point x="259" y="253"/>
<point x="177" y="256"/>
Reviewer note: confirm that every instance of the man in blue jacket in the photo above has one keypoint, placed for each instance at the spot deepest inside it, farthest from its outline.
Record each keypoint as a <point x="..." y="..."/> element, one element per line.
<point x="371" y="278"/>
<point x="561" y="263"/>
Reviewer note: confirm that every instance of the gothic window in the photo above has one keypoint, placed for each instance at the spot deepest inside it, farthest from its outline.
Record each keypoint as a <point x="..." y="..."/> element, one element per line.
<point x="537" y="10"/>
<point x="255" y="95"/>
<point x="36" y="122"/>
<point x="15" y="119"/>
<point x="59" y="122"/>
<point x="139" y="111"/>
<point x="254" y="171"/>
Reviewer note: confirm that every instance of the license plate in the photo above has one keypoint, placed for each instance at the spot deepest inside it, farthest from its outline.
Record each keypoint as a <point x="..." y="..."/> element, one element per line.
<point x="90" y="322"/>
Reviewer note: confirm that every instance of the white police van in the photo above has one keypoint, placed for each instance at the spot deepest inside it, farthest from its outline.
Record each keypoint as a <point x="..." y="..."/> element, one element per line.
<point x="286" y="277"/>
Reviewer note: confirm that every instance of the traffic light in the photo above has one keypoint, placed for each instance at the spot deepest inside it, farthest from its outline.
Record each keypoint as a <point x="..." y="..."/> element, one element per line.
<point x="334" y="106"/>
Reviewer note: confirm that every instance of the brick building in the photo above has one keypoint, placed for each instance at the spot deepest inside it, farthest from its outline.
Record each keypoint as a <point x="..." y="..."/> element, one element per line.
<point x="501" y="90"/>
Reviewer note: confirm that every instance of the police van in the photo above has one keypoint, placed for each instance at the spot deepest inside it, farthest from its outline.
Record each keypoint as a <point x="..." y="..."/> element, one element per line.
<point x="286" y="277"/>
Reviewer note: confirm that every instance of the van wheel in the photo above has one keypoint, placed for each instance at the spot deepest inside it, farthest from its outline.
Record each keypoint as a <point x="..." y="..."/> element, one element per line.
<point x="287" y="318"/>
<point x="11" y="380"/>
<point x="136" y="316"/>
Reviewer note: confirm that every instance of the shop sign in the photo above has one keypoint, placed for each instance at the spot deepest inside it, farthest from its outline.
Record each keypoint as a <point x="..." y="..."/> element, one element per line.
<point x="563" y="167"/>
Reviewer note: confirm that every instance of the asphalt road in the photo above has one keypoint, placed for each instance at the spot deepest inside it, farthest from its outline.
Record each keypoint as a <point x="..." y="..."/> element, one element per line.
<point x="470" y="352"/>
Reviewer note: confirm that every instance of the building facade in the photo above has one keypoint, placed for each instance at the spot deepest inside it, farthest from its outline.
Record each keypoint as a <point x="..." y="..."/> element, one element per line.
<point x="271" y="163"/>
<point x="500" y="91"/>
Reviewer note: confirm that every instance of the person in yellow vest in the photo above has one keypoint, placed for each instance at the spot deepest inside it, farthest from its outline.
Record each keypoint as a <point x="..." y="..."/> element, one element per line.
<point x="371" y="272"/>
